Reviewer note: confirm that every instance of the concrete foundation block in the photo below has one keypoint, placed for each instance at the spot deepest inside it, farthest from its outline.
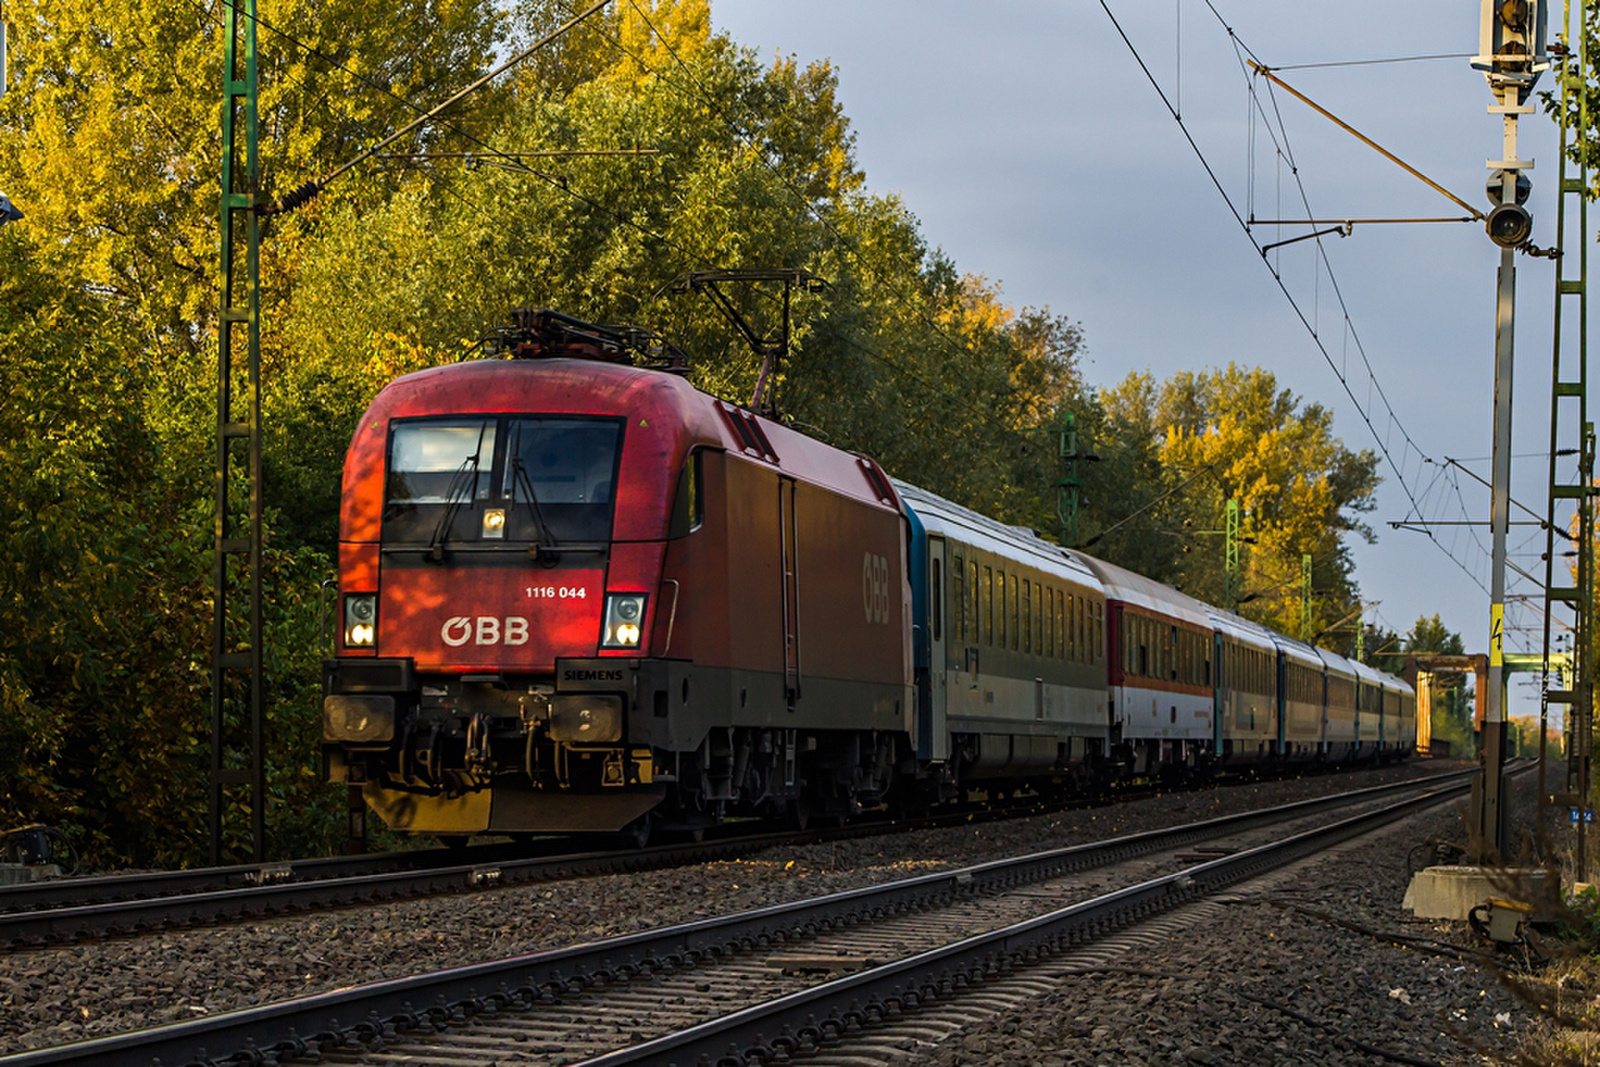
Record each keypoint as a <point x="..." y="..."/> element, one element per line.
<point x="1452" y="892"/>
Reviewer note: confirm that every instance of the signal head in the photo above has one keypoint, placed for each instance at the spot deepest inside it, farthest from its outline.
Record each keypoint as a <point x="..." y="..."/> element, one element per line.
<point x="1509" y="225"/>
<point x="1494" y="187"/>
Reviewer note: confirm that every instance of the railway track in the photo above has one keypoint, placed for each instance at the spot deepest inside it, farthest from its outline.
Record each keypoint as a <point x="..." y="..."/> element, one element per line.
<point x="61" y="911"/>
<point x="795" y="976"/>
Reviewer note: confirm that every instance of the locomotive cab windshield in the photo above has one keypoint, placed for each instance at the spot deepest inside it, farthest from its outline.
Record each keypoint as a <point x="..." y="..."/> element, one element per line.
<point x="513" y="480"/>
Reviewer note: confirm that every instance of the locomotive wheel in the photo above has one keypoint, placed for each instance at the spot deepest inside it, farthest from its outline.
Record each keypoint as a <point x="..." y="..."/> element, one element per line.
<point x="454" y="842"/>
<point x="797" y="814"/>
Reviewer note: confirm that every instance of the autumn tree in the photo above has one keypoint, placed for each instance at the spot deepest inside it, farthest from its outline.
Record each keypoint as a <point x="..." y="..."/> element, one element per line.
<point x="715" y="161"/>
<point x="1174" y="453"/>
<point x="636" y="148"/>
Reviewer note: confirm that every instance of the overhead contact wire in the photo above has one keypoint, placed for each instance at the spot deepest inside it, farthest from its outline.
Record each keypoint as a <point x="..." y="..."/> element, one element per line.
<point x="1276" y="274"/>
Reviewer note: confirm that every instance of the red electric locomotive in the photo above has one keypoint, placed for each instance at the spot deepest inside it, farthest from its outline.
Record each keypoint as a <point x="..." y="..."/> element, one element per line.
<point x="582" y="595"/>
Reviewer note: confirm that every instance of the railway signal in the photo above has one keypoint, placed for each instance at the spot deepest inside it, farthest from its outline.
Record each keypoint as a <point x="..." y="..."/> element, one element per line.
<point x="1512" y="56"/>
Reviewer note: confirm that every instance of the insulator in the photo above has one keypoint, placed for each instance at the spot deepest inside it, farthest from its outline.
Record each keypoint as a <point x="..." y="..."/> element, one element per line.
<point x="296" y="197"/>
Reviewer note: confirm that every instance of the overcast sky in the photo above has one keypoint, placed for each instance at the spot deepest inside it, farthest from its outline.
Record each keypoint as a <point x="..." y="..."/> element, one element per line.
<point x="1028" y="142"/>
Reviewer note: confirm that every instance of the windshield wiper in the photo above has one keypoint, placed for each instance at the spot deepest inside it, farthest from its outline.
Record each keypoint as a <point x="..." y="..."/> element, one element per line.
<point x="466" y="477"/>
<point x="544" y="538"/>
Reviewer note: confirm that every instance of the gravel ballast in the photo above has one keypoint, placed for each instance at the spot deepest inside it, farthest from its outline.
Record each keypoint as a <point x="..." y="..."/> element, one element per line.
<point x="1318" y="964"/>
<point x="53" y="996"/>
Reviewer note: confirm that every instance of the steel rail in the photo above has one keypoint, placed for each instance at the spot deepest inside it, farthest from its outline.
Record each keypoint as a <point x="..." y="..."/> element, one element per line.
<point x="56" y="893"/>
<point x="362" y="1014"/>
<point x="105" y="889"/>
<point x="826" y="1014"/>
<point x="65" y="924"/>
<point x="63" y="910"/>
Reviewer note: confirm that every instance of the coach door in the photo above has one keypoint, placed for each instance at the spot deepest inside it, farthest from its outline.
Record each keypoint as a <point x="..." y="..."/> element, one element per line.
<point x="933" y="738"/>
<point x="789" y="550"/>
<point x="1219" y="707"/>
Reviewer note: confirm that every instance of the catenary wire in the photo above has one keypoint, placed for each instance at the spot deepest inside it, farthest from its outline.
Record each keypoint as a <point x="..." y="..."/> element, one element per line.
<point x="1277" y="276"/>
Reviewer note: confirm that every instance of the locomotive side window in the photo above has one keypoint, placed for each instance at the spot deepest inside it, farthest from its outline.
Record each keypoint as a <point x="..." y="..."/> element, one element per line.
<point x="938" y="600"/>
<point x="688" y="505"/>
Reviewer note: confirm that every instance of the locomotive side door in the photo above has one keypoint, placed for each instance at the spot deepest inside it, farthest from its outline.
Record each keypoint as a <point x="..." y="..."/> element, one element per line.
<point x="935" y="738"/>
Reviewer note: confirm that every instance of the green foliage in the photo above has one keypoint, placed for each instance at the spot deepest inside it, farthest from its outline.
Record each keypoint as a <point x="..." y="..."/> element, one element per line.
<point x="108" y="302"/>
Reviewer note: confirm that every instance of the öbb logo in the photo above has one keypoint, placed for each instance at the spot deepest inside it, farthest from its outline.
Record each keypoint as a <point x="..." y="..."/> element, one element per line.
<point x="484" y="630"/>
<point x="875" y="587"/>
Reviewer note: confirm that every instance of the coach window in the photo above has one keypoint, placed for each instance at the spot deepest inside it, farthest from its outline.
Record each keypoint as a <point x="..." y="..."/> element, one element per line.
<point x="1027" y="616"/>
<point x="973" y="593"/>
<point x="988" y="605"/>
<point x="1000" y="630"/>
<point x="1061" y="623"/>
<point x="938" y="600"/>
<point x="1050" y="621"/>
<point x="1016" y="629"/>
<point x="1039" y="618"/>
<point x="959" y="597"/>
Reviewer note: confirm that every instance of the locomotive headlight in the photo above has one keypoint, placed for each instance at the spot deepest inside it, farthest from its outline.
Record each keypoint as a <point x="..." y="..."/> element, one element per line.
<point x="494" y="522"/>
<point x="624" y="612"/>
<point x="360" y="620"/>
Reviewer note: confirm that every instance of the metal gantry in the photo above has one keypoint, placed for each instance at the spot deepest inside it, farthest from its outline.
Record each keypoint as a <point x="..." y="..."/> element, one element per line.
<point x="236" y="682"/>
<point x="1569" y="528"/>
<point x="1069" y="490"/>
